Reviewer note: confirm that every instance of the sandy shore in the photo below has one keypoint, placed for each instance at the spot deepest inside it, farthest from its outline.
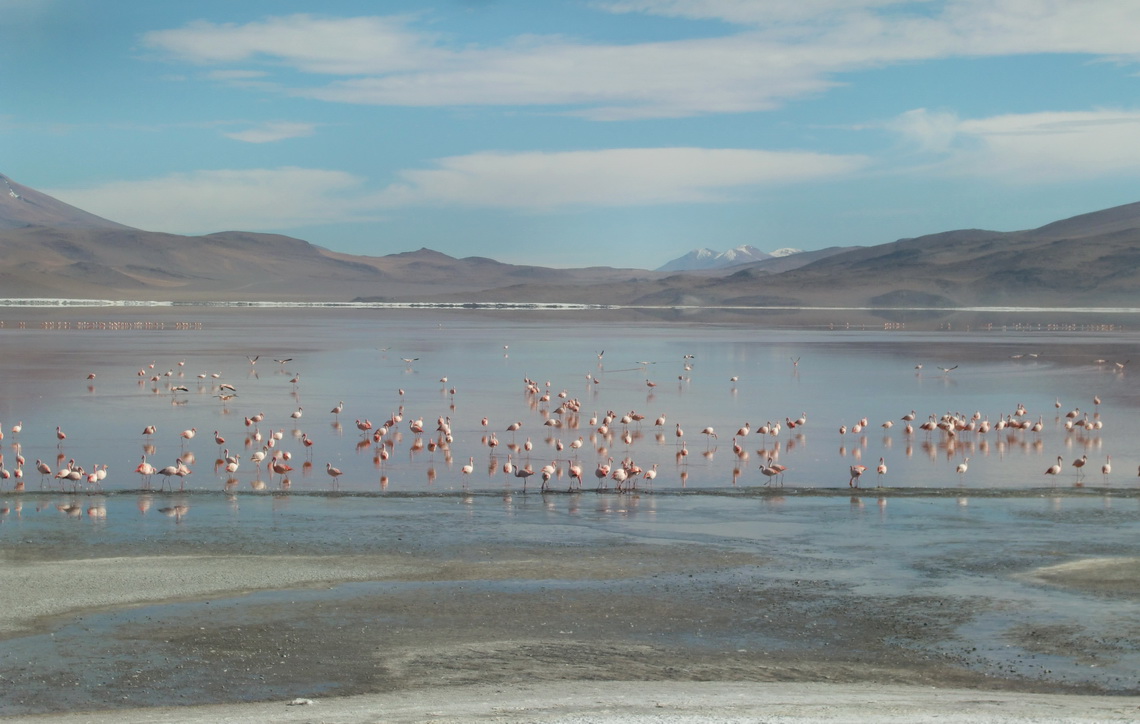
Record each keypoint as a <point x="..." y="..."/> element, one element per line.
<point x="456" y="667"/>
<point x="647" y="702"/>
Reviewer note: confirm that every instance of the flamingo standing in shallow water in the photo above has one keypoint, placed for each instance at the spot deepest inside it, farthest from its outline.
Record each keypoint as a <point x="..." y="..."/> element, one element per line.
<point x="188" y="434"/>
<point x="523" y="473"/>
<point x="963" y="466"/>
<point x="769" y="471"/>
<point x="856" y="472"/>
<point x="1055" y="468"/>
<point x="146" y="470"/>
<point x="279" y="468"/>
<point x="1079" y="464"/>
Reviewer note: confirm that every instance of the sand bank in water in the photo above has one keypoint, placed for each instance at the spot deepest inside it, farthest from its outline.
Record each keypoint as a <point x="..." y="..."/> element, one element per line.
<point x="35" y="590"/>
<point x="1114" y="576"/>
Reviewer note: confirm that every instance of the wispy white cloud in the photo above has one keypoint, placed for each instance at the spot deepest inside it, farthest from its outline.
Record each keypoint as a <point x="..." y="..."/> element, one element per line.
<point x="1027" y="148"/>
<point x="773" y="52"/>
<point x="273" y="131"/>
<point x="236" y="75"/>
<point x="749" y="12"/>
<point x="336" y="46"/>
<point x="208" y="201"/>
<point x="284" y="198"/>
<point x="607" y="178"/>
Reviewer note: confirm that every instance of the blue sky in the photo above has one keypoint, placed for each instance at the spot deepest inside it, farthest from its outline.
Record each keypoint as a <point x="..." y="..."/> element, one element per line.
<point x="574" y="133"/>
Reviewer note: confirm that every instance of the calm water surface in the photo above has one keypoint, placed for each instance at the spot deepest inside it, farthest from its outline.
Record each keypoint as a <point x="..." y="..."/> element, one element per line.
<point x="928" y="531"/>
<point x="467" y="366"/>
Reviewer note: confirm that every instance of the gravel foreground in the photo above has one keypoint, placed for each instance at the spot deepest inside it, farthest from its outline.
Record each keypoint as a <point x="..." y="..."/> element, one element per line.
<point x="460" y="645"/>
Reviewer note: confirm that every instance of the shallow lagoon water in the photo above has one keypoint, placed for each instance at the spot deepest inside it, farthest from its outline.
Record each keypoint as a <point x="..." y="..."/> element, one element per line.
<point x="928" y="538"/>
<point x="843" y="375"/>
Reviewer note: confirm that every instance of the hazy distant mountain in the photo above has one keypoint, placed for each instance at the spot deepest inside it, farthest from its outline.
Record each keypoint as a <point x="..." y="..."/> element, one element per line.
<point x="699" y="259"/>
<point x="1089" y="260"/>
<point x="51" y="249"/>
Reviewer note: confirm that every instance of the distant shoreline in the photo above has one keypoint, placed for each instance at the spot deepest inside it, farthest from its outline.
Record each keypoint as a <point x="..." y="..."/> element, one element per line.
<point x="50" y="303"/>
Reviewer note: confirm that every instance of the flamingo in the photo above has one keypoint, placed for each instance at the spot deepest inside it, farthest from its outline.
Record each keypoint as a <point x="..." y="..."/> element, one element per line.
<point x="334" y="473"/>
<point x="338" y="409"/>
<point x="619" y="475"/>
<point x="881" y="469"/>
<point x="547" y="472"/>
<point x="279" y="468"/>
<point x="856" y="472"/>
<point x="146" y="470"/>
<point x="603" y="471"/>
<point x="575" y="470"/>
<point x="1107" y="467"/>
<point x="651" y="473"/>
<point x="523" y="473"/>
<point x="1079" y="464"/>
<point x="168" y="471"/>
<point x="769" y="471"/>
<point x="1055" y="469"/>
<point x="188" y="434"/>
<point x="963" y="466"/>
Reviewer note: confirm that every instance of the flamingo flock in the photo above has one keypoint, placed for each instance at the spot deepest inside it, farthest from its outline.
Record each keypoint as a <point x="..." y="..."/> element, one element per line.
<point x="556" y="423"/>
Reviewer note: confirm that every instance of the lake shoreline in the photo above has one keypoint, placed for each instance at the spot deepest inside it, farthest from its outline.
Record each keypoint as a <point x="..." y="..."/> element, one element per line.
<point x="473" y="649"/>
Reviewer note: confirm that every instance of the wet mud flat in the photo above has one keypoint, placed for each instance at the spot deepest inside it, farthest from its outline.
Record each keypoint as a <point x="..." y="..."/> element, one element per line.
<point x="472" y="602"/>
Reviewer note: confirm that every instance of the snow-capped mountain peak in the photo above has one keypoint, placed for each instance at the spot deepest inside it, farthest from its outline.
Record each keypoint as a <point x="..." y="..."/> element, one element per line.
<point x="706" y="258"/>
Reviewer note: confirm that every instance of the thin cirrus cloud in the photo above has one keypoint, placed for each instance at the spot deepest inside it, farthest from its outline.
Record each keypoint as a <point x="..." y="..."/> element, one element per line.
<point x="208" y="201"/>
<point x="1027" y="148"/>
<point x="607" y="178"/>
<point x="272" y="131"/>
<point x="769" y="54"/>
<point x="284" y="198"/>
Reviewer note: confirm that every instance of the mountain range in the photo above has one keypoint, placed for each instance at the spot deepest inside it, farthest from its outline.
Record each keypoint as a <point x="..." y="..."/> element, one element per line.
<point x="54" y="250"/>
<point x="706" y="258"/>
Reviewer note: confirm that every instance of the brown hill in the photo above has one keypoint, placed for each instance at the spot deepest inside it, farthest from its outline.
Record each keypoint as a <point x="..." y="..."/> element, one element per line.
<point x="51" y="249"/>
<point x="23" y="206"/>
<point x="1085" y="261"/>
